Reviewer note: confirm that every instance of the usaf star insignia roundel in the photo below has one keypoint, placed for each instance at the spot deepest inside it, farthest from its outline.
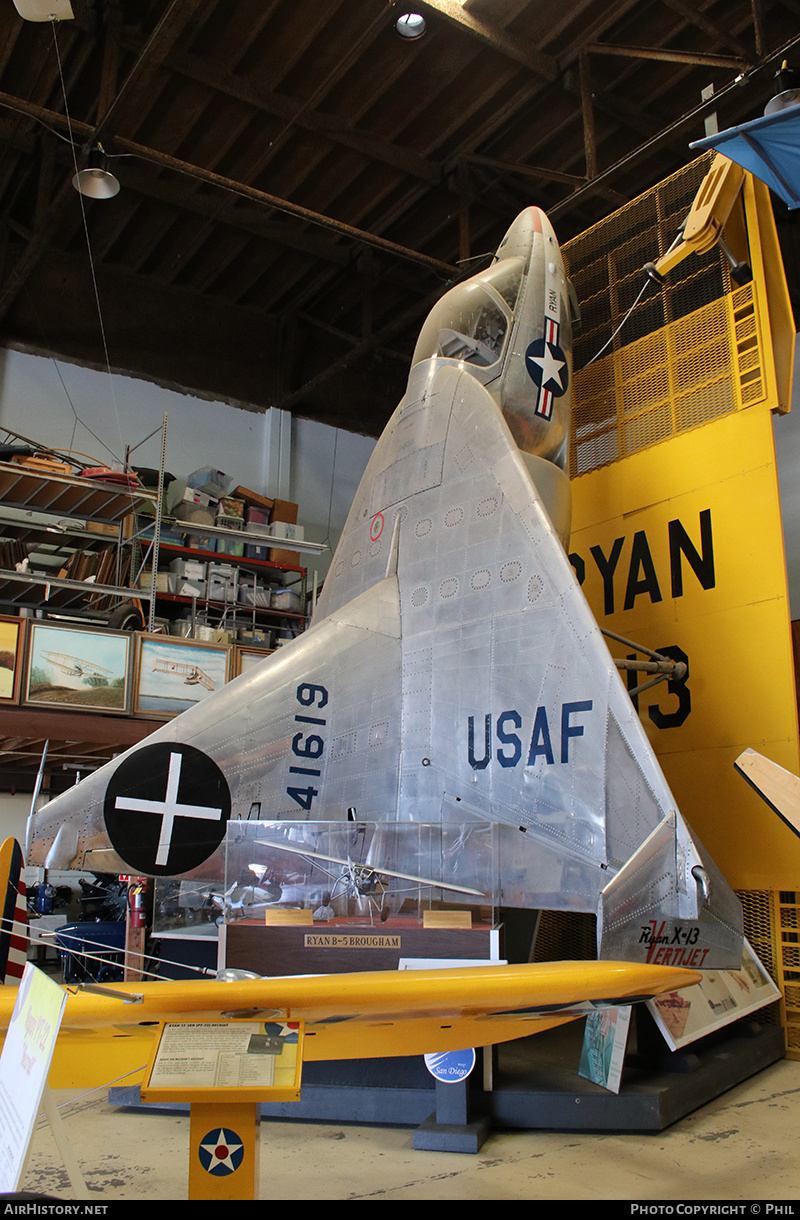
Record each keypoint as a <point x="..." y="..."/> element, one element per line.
<point x="166" y="809"/>
<point x="221" y="1152"/>
<point x="548" y="369"/>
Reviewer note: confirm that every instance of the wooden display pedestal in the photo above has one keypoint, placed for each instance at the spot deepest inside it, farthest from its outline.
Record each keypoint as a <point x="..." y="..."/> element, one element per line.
<point x="344" y="946"/>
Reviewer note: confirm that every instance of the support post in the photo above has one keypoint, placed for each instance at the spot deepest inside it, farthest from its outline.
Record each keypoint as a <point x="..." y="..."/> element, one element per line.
<point x="450" y="1128"/>
<point x="224" y="1150"/>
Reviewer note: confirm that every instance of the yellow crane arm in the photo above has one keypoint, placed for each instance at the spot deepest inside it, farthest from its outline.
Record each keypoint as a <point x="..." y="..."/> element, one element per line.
<point x="708" y="215"/>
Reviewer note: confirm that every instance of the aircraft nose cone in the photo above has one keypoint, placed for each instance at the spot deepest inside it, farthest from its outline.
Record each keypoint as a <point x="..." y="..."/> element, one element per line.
<point x="518" y="238"/>
<point x="518" y="241"/>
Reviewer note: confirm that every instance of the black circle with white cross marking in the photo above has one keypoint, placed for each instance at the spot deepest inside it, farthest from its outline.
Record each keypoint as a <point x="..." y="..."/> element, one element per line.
<point x="166" y="809"/>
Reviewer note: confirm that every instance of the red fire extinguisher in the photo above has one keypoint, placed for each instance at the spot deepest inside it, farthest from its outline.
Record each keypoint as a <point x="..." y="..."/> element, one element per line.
<point x="137" y="889"/>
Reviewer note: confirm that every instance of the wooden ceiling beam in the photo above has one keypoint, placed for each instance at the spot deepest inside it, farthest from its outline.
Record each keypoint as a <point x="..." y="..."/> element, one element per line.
<point x="514" y="47"/>
<point x="246" y="217"/>
<point x="667" y="55"/>
<point x="696" y="17"/>
<point x="291" y="110"/>
<point x="240" y="189"/>
<point x="137" y="88"/>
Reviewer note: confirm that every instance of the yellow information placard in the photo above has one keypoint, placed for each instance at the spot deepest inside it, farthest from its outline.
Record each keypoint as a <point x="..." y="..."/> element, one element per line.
<point x="226" y="1061"/>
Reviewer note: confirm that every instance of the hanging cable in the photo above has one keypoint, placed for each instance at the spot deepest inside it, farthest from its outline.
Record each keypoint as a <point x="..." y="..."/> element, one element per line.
<point x="91" y="262"/>
<point x="614" y="334"/>
<point x="639" y="295"/>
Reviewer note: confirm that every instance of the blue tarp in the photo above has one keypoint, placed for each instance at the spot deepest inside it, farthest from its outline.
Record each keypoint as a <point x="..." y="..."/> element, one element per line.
<point x="768" y="147"/>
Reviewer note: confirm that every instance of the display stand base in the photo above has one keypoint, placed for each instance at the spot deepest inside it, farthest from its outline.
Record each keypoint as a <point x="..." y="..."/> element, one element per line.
<point x="432" y="1136"/>
<point x="540" y="1089"/>
<point x="451" y="1128"/>
<point x="536" y="1085"/>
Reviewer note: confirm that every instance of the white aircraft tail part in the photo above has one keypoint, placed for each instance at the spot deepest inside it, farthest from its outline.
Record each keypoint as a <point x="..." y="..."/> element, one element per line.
<point x="671" y="874"/>
<point x="774" y="784"/>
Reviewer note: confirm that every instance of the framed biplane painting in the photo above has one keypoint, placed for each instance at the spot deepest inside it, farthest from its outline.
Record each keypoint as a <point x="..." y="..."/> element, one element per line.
<point x="80" y="668"/>
<point x="12" y="651"/>
<point x="173" y="673"/>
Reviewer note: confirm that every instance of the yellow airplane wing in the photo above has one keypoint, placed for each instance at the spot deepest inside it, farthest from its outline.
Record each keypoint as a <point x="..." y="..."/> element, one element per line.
<point x="381" y="1013"/>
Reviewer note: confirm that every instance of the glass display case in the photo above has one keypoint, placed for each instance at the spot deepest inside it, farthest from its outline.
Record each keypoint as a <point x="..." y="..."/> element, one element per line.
<point x="359" y="872"/>
<point x="354" y="873"/>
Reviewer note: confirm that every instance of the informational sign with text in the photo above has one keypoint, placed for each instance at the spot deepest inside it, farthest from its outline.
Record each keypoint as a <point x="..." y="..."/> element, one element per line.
<point x="24" y="1066"/>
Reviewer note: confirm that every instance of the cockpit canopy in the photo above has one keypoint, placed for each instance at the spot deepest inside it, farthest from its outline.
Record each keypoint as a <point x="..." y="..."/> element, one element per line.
<point x="472" y="322"/>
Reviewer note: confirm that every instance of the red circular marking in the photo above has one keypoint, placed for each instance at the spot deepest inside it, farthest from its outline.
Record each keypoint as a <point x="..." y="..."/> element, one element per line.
<point x="376" y="528"/>
<point x="221" y="1151"/>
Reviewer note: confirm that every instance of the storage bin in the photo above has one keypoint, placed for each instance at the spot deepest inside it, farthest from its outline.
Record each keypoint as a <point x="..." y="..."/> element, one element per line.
<point x="286" y="599"/>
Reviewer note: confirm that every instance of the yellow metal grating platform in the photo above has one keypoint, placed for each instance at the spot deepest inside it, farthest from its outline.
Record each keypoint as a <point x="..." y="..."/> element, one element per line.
<point x="786" y="917"/>
<point x="687" y="353"/>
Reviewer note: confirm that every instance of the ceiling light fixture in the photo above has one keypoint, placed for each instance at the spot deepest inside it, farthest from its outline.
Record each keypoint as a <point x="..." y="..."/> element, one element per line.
<point x="96" y="181"/>
<point x="411" y="25"/>
<point x="787" y="89"/>
<point x="44" y="10"/>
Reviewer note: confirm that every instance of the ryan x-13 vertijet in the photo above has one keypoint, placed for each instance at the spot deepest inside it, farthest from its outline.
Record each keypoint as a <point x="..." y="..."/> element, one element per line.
<point x="452" y="672"/>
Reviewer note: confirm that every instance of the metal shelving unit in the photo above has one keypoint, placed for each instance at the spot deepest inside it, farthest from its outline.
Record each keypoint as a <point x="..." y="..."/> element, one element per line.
<point x="71" y="501"/>
<point x="263" y="569"/>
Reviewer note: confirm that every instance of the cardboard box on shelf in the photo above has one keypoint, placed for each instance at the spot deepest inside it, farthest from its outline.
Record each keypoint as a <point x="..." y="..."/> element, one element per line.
<point x="43" y="465"/>
<point x="288" y="530"/>
<point x="253" y="498"/>
<point x="284" y="510"/>
<point x="109" y="529"/>
<point x="287" y="559"/>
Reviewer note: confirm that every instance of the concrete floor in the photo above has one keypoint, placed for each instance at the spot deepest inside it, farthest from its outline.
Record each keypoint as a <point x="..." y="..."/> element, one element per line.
<point x="742" y="1146"/>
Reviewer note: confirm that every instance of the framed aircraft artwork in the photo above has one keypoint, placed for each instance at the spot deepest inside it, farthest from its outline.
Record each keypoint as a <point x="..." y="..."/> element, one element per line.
<point x="173" y="674"/>
<point x="81" y="668"/>
<point x="12" y="650"/>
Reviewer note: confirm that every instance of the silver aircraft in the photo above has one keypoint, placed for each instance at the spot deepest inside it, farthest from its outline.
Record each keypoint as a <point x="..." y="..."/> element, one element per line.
<point x="452" y="671"/>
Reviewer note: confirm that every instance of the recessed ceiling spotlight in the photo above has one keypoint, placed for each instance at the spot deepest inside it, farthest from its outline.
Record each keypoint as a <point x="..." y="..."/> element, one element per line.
<point x="411" y="25"/>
